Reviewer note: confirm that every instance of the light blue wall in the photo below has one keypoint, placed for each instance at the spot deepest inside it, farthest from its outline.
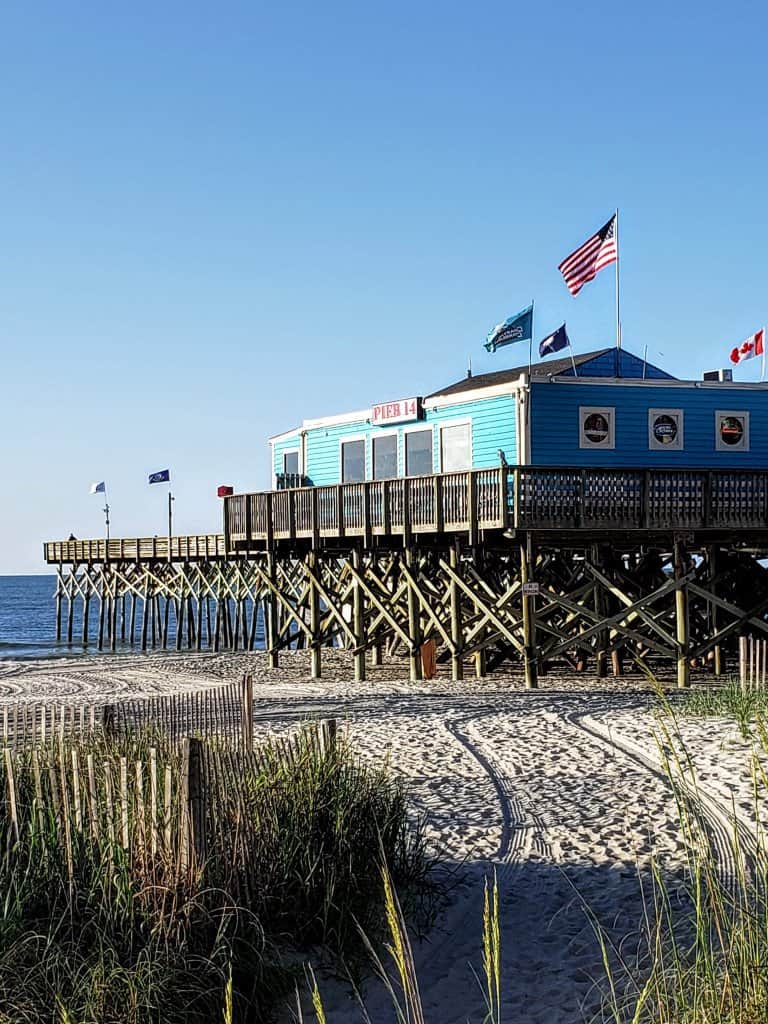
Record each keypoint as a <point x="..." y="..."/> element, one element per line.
<point x="290" y="443"/>
<point x="555" y="425"/>
<point x="493" y="427"/>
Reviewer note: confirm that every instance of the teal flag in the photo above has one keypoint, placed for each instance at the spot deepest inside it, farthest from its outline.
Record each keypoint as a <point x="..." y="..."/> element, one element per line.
<point x="517" y="328"/>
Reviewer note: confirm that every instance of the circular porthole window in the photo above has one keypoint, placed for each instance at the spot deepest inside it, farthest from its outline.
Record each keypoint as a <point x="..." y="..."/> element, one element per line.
<point x="732" y="431"/>
<point x="665" y="429"/>
<point x="597" y="430"/>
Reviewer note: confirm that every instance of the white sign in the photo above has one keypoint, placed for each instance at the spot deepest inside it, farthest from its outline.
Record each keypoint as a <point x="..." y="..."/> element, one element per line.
<point x="396" y="412"/>
<point x="531" y="589"/>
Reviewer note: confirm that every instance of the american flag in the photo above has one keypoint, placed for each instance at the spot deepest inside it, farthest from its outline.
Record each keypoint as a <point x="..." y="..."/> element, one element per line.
<point x="597" y="252"/>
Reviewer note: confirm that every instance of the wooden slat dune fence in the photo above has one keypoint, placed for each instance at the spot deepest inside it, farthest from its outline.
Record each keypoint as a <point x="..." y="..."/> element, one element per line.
<point x="225" y="711"/>
<point x="168" y="815"/>
<point x="753" y="662"/>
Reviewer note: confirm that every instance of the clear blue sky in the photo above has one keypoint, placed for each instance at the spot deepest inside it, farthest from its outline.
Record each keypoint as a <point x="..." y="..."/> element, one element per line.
<point x="218" y="219"/>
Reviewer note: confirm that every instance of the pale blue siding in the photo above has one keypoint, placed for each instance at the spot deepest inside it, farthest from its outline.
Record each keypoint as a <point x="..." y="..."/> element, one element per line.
<point x="324" y="451"/>
<point x="555" y="425"/>
<point x="493" y="427"/>
<point x="290" y="443"/>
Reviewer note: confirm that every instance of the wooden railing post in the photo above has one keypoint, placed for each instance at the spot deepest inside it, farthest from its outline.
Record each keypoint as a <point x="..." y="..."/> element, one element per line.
<point x="386" y="506"/>
<point x="340" y="510"/>
<point x="406" y="512"/>
<point x="367" y="514"/>
<point x="270" y="524"/>
<point x="315" y="518"/>
<point x="471" y="508"/>
<point x="291" y="499"/>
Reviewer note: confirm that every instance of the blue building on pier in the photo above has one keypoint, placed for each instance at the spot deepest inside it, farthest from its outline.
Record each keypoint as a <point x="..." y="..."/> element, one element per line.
<point x="604" y="408"/>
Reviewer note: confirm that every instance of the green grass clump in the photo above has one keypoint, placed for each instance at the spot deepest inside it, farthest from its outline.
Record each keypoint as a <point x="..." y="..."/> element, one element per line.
<point x="742" y="706"/>
<point x="91" y="933"/>
<point x="706" y="941"/>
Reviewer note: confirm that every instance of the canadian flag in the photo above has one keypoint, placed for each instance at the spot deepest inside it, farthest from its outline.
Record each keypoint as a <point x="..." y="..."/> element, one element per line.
<point x="753" y="346"/>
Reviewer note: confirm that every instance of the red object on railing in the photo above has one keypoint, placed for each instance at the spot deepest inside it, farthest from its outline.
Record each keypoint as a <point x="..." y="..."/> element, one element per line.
<point x="224" y="492"/>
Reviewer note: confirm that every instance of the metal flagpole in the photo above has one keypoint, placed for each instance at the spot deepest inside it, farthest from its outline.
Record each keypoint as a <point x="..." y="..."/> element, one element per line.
<point x="530" y="343"/>
<point x="618" y="311"/>
<point x="170" y="518"/>
<point x="106" y="512"/>
<point x="570" y="350"/>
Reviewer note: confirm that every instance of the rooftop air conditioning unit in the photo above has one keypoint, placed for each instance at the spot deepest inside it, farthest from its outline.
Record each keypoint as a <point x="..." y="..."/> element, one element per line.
<point x="721" y="375"/>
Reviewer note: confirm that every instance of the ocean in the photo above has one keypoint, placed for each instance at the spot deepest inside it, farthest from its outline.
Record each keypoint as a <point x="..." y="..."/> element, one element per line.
<point x="28" y="621"/>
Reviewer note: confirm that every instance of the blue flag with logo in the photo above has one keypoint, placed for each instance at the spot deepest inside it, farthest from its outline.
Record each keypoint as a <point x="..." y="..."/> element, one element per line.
<point x="163" y="476"/>
<point x="554" y="342"/>
<point x="517" y="328"/>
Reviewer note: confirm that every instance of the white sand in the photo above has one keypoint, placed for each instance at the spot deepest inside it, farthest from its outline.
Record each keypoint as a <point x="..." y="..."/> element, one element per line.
<point x="556" y="791"/>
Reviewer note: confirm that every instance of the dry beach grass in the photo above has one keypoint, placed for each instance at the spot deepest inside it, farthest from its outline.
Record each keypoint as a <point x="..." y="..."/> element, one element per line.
<point x="561" y="792"/>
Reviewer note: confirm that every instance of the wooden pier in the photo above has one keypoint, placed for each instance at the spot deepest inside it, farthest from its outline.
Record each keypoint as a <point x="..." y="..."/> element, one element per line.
<point x="593" y="569"/>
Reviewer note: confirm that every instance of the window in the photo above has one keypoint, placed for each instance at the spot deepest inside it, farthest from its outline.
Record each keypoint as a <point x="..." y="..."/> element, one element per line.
<point x="291" y="462"/>
<point x="732" y="431"/>
<point x="384" y="456"/>
<point x="455" y="448"/>
<point x="352" y="461"/>
<point x="665" y="430"/>
<point x="596" y="427"/>
<point x="418" y="453"/>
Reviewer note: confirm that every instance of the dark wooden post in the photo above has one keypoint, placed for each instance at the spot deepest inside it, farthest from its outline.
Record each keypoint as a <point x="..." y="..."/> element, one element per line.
<point x="681" y="616"/>
<point x="717" y="653"/>
<point x="602" y="636"/>
<point x="273" y="624"/>
<point x="529" y="616"/>
<point x="247" y="712"/>
<point x="414" y="624"/>
<point x="316" y="661"/>
<point x="358" y="618"/>
<point x="193" y="806"/>
<point x="457" y="639"/>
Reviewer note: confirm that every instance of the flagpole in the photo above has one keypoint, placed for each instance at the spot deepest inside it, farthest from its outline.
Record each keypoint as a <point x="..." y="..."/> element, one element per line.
<point x="530" y="343"/>
<point x="618" y="311"/>
<point x="170" y="519"/>
<point x="106" y="513"/>
<point x="762" y="366"/>
<point x="570" y="350"/>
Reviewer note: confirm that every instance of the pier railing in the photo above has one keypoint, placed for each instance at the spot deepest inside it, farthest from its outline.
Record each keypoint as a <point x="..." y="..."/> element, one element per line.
<point x="526" y="497"/>
<point x="195" y="548"/>
<point x="506" y="497"/>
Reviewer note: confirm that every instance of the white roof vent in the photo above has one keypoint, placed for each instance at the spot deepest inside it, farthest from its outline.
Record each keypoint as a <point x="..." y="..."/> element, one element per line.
<point x="721" y="375"/>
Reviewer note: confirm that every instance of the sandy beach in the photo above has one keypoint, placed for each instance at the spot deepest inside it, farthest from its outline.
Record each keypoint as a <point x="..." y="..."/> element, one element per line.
<point x="558" y="791"/>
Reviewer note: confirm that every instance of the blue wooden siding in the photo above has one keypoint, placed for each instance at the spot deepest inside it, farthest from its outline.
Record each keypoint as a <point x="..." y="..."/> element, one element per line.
<point x="324" y="451"/>
<point x="493" y="427"/>
<point x="555" y="425"/>
<point x="285" y="444"/>
<point x="619" y="363"/>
